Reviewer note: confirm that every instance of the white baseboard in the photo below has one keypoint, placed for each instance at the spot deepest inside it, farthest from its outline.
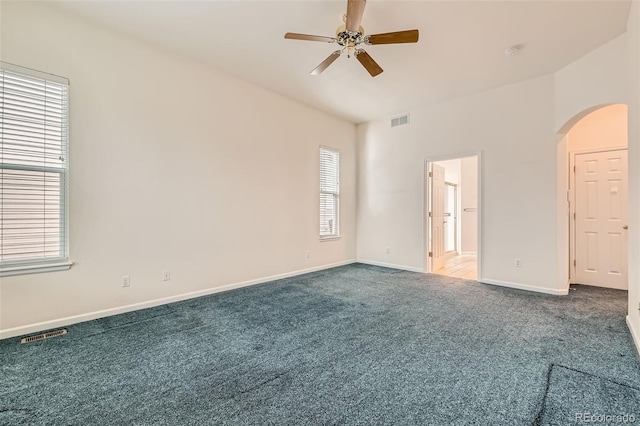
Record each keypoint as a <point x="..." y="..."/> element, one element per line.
<point x="634" y="334"/>
<point x="390" y="265"/>
<point x="557" y="292"/>
<point x="468" y="252"/>
<point x="602" y="286"/>
<point x="60" y="322"/>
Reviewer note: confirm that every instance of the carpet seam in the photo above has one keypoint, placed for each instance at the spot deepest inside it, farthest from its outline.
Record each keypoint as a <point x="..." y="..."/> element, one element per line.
<point x="537" y="421"/>
<point x="596" y="376"/>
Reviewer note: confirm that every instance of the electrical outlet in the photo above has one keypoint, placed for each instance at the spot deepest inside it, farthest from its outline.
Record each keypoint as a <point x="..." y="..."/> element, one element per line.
<point x="518" y="263"/>
<point x="126" y="281"/>
<point x="388" y="250"/>
<point x="166" y="275"/>
<point x="308" y="255"/>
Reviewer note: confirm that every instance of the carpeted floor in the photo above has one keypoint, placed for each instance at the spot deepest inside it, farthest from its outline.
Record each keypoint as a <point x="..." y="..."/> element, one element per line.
<point x="585" y="398"/>
<point x="351" y="345"/>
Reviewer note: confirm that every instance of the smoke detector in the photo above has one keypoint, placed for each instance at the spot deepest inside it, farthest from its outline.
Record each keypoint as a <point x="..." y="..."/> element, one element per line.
<point x="511" y="51"/>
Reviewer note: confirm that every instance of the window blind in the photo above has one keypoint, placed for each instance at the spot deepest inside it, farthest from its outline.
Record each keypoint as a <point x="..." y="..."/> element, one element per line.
<point x="329" y="192"/>
<point x="34" y="133"/>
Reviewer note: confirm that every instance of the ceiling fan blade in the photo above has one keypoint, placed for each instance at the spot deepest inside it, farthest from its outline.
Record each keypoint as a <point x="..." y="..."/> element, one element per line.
<point x="409" y="36"/>
<point x="325" y="64"/>
<point x="367" y="61"/>
<point x="296" y="36"/>
<point x="355" y="10"/>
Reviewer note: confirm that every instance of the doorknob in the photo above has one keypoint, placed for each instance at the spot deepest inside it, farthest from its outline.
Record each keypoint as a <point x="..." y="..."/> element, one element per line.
<point x="625" y="227"/>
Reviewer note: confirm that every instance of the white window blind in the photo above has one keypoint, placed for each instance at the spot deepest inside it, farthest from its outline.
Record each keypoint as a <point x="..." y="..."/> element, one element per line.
<point x="34" y="133"/>
<point x="329" y="192"/>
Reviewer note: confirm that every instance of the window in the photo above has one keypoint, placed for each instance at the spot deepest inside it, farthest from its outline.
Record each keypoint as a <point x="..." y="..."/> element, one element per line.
<point x="34" y="133"/>
<point x="329" y="193"/>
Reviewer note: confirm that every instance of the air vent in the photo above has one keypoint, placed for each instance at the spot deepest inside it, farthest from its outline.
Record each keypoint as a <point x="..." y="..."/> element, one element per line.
<point x="400" y="120"/>
<point x="43" y="336"/>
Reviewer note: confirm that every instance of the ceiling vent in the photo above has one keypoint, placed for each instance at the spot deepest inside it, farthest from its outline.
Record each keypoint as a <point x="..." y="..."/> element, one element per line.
<point x="400" y="120"/>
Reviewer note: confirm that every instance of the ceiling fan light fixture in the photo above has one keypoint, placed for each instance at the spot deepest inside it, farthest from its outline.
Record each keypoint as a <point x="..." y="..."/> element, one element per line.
<point x="348" y="38"/>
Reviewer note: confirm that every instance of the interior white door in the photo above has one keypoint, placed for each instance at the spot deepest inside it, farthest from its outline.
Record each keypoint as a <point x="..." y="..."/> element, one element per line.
<point x="601" y="219"/>
<point x="437" y="216"/>
<point x="450" y="218"/>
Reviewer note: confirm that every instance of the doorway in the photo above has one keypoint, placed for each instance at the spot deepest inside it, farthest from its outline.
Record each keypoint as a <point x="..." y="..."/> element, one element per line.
<point x="597" y="197"/>
<point x="452" y="216"/>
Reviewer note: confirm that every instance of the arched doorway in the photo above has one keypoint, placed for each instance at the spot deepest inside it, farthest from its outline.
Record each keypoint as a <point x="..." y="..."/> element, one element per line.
<point x="592" y="198"/>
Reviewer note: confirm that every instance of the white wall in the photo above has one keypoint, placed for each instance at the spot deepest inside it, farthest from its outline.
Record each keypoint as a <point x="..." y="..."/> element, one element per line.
<point x="633" y="31"/>
<point x="562" y="218"/>
<point x="513" y="126"/>
<point x="469" y="205"/>
<point x="523" y="170"/>
<point x="584" y="86"/>
<point x="598" y="78"/>
<point x="603" y="128"/>
<point x="173" y="166"/>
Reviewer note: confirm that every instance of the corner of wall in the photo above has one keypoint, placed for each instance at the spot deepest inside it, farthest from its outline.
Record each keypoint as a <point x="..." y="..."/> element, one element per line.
<point x="633" y="30"/>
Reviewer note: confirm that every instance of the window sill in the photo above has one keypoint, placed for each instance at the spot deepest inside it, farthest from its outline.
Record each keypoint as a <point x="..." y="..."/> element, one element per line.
<point x="34" y="269"/>
<point x="333" y="237"/>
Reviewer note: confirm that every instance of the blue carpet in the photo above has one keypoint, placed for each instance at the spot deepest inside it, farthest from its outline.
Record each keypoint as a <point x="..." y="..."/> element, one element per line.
<point x="352" y="345"/>
<point x="574" y="397"/>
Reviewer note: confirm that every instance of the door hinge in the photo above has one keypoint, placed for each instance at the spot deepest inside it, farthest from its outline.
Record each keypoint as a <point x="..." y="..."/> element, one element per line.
<point x="574" y="169"/>
<point x="429" y="214"/>
<point x="574" y="262"/>
<point x="574" y="215"/>
<point x="430" y="174"/>
<point x="430" y="254"/>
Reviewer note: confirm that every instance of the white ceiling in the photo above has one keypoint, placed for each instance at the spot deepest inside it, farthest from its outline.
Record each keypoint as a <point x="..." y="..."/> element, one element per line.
<point x="461" y="47"/>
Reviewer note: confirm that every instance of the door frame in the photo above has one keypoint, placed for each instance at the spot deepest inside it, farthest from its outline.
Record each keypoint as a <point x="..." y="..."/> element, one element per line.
<point x="571" y="198"/>
<point x="426" y="203"/>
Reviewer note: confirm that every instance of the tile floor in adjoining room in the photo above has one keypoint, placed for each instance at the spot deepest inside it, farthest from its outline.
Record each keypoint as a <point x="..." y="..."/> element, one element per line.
<point x="460" y="266"/>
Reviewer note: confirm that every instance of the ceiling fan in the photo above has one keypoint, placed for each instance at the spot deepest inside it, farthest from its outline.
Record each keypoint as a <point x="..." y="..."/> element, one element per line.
<point x="351" y="35"/>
